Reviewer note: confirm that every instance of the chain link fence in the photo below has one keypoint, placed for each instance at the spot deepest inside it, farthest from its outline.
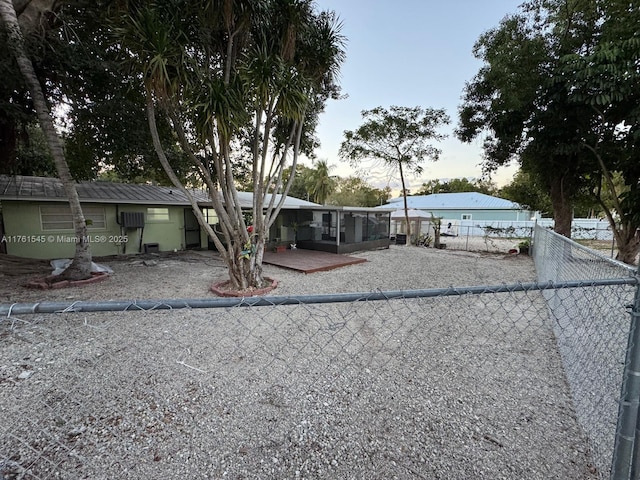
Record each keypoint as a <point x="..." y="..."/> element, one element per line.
<point x="502" y="236"/>
<point x="592" y="333"/>
<point x="489" y="382"/>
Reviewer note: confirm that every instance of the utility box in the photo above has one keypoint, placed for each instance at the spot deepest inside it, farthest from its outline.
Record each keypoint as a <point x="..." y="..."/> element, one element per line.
<point x="132" y="219"/>
<point x="151" y="247"/>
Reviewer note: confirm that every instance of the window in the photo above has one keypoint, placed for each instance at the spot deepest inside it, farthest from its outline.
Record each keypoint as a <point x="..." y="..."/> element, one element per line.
<point x="157" y="214"/>
<point x="466" y="216"/>
<point x="58" y="217"/>
<point x="210" y="215"/>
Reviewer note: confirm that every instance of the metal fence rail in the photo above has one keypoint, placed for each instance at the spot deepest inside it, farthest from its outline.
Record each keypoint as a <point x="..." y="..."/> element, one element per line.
<point x="9" y="310"/>
<point x="443" y="383"/>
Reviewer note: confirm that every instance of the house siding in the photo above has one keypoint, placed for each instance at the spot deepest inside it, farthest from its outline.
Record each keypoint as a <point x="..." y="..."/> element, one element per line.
<point x="480" y="215"/>
<point x="22" y="199"/>
<point x="22" y="223"/>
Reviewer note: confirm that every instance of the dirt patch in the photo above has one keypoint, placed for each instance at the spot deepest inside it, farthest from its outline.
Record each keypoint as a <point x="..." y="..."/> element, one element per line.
<point x="449" y="387"/>
<point x="53" y="283"/>
<point x="190" y="274"/>
<point x="166" y="275"/>
<point x="225" y="289"/>
<point x="17" y="266"/>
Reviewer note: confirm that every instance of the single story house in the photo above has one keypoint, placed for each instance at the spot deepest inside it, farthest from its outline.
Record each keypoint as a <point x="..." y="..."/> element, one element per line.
<point x="36" y="222"/>
<point x="465" y="206"/>
<point x="461" y="209"/>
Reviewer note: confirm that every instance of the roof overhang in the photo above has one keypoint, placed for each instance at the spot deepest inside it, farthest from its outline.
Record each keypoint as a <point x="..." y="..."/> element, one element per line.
<point x="336" y="208"/>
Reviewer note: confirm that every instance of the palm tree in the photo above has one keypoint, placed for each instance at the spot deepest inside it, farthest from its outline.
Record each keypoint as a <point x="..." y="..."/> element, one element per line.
<point x="322" y="184"/>
<point x="229" y="74"/>
<point x="80" y="268"/>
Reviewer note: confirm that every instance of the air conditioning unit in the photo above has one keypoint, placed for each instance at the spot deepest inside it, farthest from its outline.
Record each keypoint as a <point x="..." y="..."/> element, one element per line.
<point x="132" y="219"/>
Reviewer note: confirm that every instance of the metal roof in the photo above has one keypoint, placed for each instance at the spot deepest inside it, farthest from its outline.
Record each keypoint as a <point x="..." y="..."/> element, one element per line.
<point x="246" y="201"/>
<point x="45" y="189"/>
<point x="455" y="201"/>
<point x="348" y="209"/>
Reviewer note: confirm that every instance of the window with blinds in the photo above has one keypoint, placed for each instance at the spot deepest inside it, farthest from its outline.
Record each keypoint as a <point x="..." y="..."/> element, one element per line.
<point x="158" y="214"/>
<point x="58" y="217"/>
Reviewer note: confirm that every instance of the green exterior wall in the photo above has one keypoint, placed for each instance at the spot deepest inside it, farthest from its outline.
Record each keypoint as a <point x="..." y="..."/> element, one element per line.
<point x="24" y="236"/>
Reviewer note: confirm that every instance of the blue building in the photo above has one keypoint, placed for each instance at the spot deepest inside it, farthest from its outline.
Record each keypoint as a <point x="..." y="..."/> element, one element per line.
<point x="465" y="206"/>
<point x="465" y="213"/>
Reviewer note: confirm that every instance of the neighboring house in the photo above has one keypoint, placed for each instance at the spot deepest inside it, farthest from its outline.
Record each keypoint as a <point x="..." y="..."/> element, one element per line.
<point x="36" y="221"/>
<point x="465" y="209"/>
<point x="465" y="206"/>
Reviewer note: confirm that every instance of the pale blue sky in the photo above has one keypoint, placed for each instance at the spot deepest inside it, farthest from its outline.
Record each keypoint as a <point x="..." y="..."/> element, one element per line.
<point x="409" y="53"/>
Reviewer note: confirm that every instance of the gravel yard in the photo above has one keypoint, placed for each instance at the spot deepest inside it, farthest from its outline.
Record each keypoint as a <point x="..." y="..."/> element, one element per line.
<point x="438" y="388"/>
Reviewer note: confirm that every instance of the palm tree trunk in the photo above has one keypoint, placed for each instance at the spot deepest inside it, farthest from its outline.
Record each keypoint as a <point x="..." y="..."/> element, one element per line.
<point x="80" y="268"/>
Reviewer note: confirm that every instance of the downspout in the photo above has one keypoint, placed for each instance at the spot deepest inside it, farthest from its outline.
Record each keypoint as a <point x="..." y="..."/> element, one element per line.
<point x="140" y="244"/>
<point x="122" y="232"/>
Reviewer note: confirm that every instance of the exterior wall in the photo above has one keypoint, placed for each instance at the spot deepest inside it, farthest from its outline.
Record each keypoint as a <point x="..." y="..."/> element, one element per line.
<point x="25" y="237"/>
<point x="478" y="217"/>
<point x="169" y="234"/>
<point x="497" y="215"/>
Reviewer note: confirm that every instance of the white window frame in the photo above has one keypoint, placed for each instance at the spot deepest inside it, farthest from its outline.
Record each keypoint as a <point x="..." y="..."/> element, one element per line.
<point x="466" y="216"/>
<point x="154" y="215"/>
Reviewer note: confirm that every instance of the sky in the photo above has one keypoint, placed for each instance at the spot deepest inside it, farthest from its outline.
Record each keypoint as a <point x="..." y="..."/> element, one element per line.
<point x="409" y="53"/>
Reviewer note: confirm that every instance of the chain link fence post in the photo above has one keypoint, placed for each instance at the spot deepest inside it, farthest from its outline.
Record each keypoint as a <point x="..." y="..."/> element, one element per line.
<point x="625" y="453"/>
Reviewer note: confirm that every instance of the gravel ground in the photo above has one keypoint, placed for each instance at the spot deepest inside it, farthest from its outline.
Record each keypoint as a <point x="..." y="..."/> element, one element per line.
<point x="438" y="388"/>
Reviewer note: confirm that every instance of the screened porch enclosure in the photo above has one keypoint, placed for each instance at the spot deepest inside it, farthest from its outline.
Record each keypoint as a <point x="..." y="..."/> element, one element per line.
<point x="335" y="230"/>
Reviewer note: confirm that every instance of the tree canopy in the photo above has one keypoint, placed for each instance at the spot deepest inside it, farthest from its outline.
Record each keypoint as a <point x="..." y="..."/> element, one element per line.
<point x="241" y="84"/>
<point x="457" y="185"/>
<point x="398" y="138"/>
<point x="541" y="98"/>
<point x="355" y="192"/>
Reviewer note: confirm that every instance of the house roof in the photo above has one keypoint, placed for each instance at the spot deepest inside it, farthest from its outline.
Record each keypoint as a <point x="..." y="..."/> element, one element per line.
<point x="455" y="201"/>
<point x="45" y="189"/>
<point x="246" y="201"/>
<point x="349" y="209"/>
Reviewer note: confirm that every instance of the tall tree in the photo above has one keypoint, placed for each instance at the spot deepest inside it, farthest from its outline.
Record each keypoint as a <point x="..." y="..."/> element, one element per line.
<point x="302" y="181"/>
<point x="457" y="185"/>
<point x="234" y="78"/>
<point x="322" y="183"/>
<point x="397" y="138"/>
<point x="355" y="192"/>
<point x="105" y="127"/>
<point x="559" y="79"/>
<point x="604" y="76"/>
<point x="80" y="267"/>
<point x="521" y="117"/>
<point x="527" y="190"/>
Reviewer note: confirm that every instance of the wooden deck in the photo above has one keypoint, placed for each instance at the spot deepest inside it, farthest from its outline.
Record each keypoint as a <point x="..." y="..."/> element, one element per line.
<point x="309" y="261"/>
